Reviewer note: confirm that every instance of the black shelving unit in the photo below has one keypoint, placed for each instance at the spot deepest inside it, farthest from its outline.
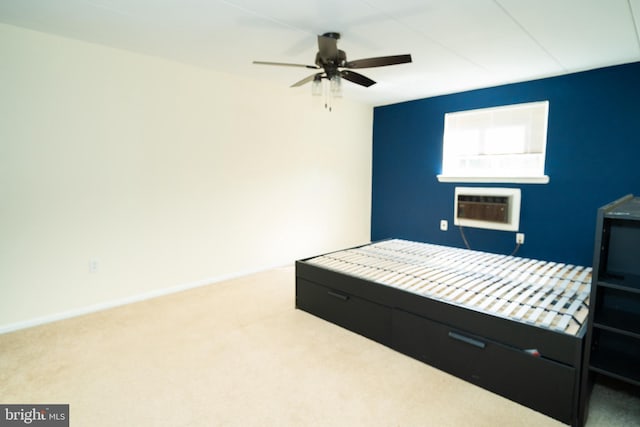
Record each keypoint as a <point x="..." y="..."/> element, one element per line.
<point x="613" y="335"/>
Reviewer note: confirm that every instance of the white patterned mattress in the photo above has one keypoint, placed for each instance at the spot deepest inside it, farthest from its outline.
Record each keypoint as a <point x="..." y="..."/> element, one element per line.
<point x="546" y="294"/>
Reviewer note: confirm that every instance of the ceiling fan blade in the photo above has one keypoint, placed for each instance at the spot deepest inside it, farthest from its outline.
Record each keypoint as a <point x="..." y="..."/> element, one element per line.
<point x="354" y="77"/>
<point x="306" y="80"/>
<point x="379" y="61"/>
<point x="327" y="47"/>
<point x="284" y="64"/>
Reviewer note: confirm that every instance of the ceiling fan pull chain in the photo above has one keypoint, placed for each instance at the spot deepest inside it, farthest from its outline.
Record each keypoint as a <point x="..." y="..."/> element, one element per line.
<point x="326" y="96"/>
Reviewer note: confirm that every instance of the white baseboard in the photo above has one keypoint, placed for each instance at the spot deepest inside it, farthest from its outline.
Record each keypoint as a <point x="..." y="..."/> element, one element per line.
<point x="12" y="327"/>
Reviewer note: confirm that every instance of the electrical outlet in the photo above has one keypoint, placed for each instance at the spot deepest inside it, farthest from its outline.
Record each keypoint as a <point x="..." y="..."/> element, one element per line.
<point x="520" y="238"/>
<point x="444" y="225"/>
<point x="93" y="265"/>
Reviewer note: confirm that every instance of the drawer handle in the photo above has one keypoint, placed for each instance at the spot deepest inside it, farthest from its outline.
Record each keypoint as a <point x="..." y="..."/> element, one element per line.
<point x="467" y="340"/>
<point x="339" y="296"/>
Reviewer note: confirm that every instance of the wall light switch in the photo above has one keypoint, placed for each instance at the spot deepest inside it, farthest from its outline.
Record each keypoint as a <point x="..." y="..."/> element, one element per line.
<point x="444" y="225"/>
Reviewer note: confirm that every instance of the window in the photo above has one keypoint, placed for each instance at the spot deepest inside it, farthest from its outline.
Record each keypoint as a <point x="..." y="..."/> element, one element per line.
<point x="500" y="144"/>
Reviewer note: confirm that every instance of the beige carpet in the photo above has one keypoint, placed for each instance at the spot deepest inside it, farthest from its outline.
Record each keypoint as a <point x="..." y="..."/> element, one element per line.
<point x="238" y="354"/>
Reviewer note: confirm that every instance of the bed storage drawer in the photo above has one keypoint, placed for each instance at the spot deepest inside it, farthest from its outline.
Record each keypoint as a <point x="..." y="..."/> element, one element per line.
<point x="356" y="314"/>
<point x="472" y="314"/>
<point x="541" y="384"/>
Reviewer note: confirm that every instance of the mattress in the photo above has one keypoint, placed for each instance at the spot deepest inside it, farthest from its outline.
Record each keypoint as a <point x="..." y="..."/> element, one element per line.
<point x="546" y="294"/>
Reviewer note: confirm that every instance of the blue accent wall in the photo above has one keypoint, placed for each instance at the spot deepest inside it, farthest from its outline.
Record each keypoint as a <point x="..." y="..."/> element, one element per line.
<point x="593" y="158"/>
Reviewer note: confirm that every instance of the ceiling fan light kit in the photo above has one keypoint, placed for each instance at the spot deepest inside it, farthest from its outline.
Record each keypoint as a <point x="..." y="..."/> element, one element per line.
<point x="336" y="86"/>
<point x="335" y="67"/>
<point x="316" y="86"/>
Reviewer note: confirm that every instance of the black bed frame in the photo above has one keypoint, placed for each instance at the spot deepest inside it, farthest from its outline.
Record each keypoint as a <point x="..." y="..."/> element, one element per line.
<point x="536" y="367"/>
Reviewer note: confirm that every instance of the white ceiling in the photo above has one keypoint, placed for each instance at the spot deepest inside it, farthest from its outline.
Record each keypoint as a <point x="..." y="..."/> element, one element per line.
<point x="456" y="44"/>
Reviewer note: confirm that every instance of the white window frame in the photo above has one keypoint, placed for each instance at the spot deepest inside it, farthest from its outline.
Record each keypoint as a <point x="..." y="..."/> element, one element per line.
<point x="468" y="141"/>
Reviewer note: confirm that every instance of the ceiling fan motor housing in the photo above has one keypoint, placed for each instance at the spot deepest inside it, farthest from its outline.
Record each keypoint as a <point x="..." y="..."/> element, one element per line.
<point x="331" y="65"/>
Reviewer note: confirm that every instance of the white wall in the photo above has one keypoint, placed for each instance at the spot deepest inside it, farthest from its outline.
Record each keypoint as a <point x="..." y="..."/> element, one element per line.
<point x="168" y="175"/>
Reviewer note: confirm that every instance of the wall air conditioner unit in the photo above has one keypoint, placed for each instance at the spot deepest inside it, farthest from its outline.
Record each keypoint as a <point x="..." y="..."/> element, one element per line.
<point x="491" y="208"/>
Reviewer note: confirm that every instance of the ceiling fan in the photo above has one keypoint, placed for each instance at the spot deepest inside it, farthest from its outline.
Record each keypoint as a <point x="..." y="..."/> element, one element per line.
<point x="333" y="62"/>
